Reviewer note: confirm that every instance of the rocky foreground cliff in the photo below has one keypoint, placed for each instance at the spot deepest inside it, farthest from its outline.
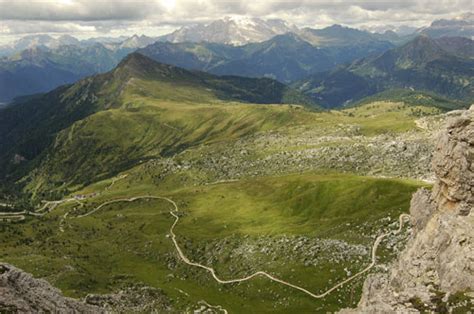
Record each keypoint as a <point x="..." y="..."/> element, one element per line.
<point x="20" y="292"/>
<point x="435" y="272"/>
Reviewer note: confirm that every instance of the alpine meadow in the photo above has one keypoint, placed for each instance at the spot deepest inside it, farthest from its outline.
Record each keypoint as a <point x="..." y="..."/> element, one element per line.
<point x="172" y="156"/>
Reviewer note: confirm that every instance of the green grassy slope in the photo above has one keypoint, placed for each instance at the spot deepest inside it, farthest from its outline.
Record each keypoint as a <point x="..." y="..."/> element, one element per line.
<point x="146" y="128"/>
<point x="417" y="98"/>
<point x="222" y="225"/>
<point x="312" y="229"/>
<point x="40" y="125"/>
<point x="144" y="110"/>
<point x="295" y="204"/>
<point x="113" y="140"/>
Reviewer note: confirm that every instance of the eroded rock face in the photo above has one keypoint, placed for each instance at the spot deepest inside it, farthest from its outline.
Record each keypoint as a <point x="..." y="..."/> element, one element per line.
<point x="20" y="292"/>
<point x="452" y="164"/>
<point x="421" y="209"/>
<point x="438" y="261"/>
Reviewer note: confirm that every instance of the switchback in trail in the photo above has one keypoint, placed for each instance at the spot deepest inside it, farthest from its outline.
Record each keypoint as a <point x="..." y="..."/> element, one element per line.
<point x="50" y="205"/>
<point x="211" y="270"/>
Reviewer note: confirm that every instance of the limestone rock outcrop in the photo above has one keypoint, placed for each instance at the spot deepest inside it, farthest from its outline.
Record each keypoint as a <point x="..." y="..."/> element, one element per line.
<point x="435" y="272"/>
<point x="20" y="292"/>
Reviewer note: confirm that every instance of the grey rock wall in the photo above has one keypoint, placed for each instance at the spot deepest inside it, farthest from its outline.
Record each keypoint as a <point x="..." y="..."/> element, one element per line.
<point x="438" y="261"/>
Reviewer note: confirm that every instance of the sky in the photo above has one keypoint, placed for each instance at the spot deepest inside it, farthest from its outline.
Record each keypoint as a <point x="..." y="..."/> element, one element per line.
<point x="93" y="18"/>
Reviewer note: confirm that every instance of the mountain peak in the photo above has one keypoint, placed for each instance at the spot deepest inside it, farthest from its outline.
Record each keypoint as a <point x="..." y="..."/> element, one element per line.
<point x="242" y="20"/>
<point x="336" y="26"/>
<point x="422" y="43"/>
<point x="288" y="38"/>
<point x="137" y="41"/>
<point x="462" y="25"/>
<point x="338" y="30"/>
<point x="136" y="61"/>
<point x="417" y="52"/>
<point x="235" y="30"/>
<point x="421" y="39"/>
<point x="137" y="65"/>
<point x="35" y="54"/>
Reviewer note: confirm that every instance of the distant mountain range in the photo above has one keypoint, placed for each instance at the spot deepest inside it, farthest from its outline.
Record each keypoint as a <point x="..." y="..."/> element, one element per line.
<point x="341" y="36"/>
<point x="35" y="41"/>
<point x="49" y="42"/>
<point x="40" y="69"/>
<point x="231" y="30"/>
<point x="273" y="49"/>
<point x="40" y="63"/>
<point x="29" y="127"/>
<point x="444" y="66"/>
<point x="244" y="30"/>
<point x="286" y="57"/>
<point x="48" y="62"/>
<point x="462" y="26"/>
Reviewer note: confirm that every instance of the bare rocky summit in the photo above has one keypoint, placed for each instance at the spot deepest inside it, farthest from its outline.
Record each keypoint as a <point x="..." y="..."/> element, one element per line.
<point x="235" y="30"/>
<point x="435" y="272"/>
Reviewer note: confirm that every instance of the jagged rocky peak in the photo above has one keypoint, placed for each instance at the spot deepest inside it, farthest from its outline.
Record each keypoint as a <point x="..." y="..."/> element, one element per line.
<point x="436" y="269"/>
<point x="136" y="41"/>
<point x="233" y="30"/>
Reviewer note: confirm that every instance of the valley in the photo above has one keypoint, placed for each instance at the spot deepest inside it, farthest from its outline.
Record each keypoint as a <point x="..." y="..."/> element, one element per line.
<point x="268" y="231"/>
<point x="238" y="164"/>
<point x="282" y="189"/>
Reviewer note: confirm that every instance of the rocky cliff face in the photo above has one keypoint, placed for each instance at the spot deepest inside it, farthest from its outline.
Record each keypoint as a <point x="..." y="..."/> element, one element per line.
<point x="20" y="292"/>
<point x="435" y="272"/>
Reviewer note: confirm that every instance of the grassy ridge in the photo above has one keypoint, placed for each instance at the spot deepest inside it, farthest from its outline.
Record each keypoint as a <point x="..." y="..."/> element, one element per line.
<point x="30" y="129"/>
<point x="145" y="128"/>
<point x="141" y="110"/>
<point x="414" y="98"/>
<point x="114" y="140"/>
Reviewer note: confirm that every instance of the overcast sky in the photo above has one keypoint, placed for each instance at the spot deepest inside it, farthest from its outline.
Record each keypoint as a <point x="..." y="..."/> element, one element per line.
<point x="91" y="18"/>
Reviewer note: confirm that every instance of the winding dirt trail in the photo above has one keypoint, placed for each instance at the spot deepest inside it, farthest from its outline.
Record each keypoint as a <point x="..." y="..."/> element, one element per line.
<point x="50" y="205"/>
<point x="12" y="218"/>
<point x="132" y="199"/>
<point x="211" y="270"/>
<point x="276" y="279"/>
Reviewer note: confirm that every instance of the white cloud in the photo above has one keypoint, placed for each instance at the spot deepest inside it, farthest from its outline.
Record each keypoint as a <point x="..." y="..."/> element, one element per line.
<point x="101" y="17"/>
<point x="77" y="10"/>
